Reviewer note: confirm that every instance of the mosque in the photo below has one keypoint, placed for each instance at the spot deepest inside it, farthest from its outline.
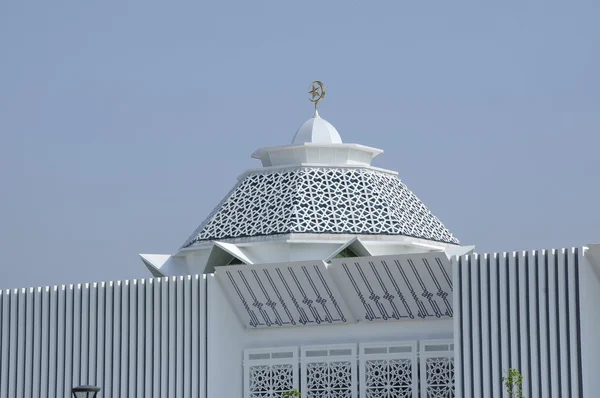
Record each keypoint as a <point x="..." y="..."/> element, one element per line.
<point x="321" y="273"/>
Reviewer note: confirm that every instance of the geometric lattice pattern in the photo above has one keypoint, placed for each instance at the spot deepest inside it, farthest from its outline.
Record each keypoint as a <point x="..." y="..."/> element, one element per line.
<point x="321" y="200"/>
<point x="268" y="373"/>
<point x="388" y="378"/>
<point x="329" y="380"/>
<point x="270" y="381"/>
<point x="385" y="370"/>
<point x="437" y="368"/>
<point x="388" y="370"/>
<point x="440" y="377"/>
<point x="329" y="371"/>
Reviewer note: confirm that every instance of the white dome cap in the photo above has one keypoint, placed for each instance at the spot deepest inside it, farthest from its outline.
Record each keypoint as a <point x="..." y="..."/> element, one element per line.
<point x="317" y="130"/>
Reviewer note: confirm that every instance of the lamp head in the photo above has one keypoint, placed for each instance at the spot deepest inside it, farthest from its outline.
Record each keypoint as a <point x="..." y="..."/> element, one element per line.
<point x="85" y="391"/>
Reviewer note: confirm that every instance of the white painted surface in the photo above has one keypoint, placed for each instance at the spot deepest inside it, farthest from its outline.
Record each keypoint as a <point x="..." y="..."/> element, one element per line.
<point x="225" y="345"/>
<point x="284" y="295"/>
<point x="141" y="338"/>
<point x="521" y="310"/>
<point x="436" y="361"/>
<point x="387" y="369"/>
<point x="589" y="300"/>
<point x="364" y="332"/>
<point x="317" y="130"/>
<point x="180" y="337"/>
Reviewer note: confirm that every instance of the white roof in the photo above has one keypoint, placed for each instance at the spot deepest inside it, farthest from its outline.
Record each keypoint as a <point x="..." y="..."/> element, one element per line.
<point x="317" y="130"/>
<point x="319" y="185"/>
<point x="321" y="200"/>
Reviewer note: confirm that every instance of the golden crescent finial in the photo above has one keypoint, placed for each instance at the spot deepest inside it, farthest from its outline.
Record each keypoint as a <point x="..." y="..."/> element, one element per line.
<point x="317" y="92"/>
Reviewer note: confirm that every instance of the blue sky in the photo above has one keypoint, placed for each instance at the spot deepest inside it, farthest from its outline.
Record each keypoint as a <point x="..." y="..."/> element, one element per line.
<point x="122" y="124"/>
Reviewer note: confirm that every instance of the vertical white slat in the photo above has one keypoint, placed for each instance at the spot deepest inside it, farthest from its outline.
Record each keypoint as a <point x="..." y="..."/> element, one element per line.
<point x="36" y="358"/>
<point x="69" y="334"/>
<point x="513" y="311"/>
<point x="572" y="308"/>
<point x="466" y="324"/>
<point x="124" y="339"/>
<point x="195" y="347"/>
<point x="187" y="342"/>
<point x="503" y="300"/>
<point x="164" y="331"/>
<point x="484" y="272"/>
<point x="180" y="324"/>
<point x="150" y="330"/>
<point x="13" y="348"/>
<point x="43" y="369"/>
<point x="458" y="315"/>
<point x="553" y="330"/>
<point x="28" y="342"/>
<point x="5" y="327"/>
<point x="42" y="336"/>
<point x="124" y="333"/>
<point x="563" y="324"/>
<point x="45" y="356"/>
<point x="532" y="312"/>
<point x="203" y="345"/>
<point x="475" y="325"/>
<point x="1" y="334"/>
<point x="132" y="334"/>
<point x="172" y="321"/>
<point x="208" y="330"/>
<point x="158" y="346"/>
<point x="63" y="341"/>
<point x="101" y="326"/>
<point x="84" y="340"/>
<point x="141" y="336"/>
<point x="76" y="354"/>
<point x="523" y="315"/>
<point x="495" y="315"/>
<point x="75" y="337"/>
<point x="53" y="322"/>
<point x="109" y="349"/>
<point x="116" y="339"/>
<point x="180" y="354"/>
<point x="21" y="343"/>
<point x="544" y="327"/>
<point x="92" y="313"/>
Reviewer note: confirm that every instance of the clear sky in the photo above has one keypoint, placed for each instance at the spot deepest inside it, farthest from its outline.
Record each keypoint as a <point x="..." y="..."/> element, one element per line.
<point x="123" y="124"/>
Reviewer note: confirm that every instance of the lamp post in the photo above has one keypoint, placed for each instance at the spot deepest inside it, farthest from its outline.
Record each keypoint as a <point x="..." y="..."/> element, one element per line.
<point x="85" y="391"/>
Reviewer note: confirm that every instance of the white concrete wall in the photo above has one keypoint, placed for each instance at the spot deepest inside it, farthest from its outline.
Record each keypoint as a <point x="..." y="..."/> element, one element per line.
<point x="142" y="338"/>
<point x="362" y="332"/>
<point x="225" y="345"/>
<point x="521" y="310"/>
<point x="589" y="298"/>
<point x="180" y="337"/>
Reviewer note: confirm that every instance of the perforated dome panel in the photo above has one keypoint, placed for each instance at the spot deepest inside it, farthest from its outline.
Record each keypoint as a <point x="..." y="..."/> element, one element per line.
<point x="321" y="200"/>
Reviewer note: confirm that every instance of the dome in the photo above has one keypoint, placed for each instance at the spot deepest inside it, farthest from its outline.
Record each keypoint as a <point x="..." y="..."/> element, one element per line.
<point x="317" y="130"/>
<point x="321" y="200"/>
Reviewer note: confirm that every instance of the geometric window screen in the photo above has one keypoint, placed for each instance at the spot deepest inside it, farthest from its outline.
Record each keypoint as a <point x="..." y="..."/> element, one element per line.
<point x="388" y="370"/>
<point x="329" y="371"/>
<point x="268" y="373"/>
<point x="407" y="369"/>
<point x="437" y="368"/>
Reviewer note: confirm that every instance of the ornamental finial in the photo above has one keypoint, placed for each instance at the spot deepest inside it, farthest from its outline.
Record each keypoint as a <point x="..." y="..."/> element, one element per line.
<point x="317" y="93"/>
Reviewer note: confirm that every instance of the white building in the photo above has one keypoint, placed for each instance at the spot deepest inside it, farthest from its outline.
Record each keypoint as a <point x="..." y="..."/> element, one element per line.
<point x="320" y="272"/>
